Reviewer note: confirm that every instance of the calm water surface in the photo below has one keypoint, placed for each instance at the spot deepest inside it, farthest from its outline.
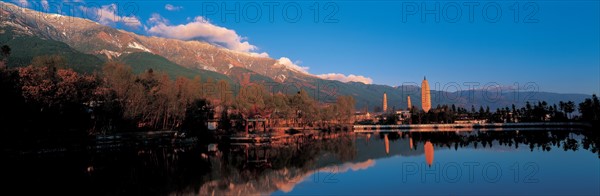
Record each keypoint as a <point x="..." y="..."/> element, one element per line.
<point x="499" y="162"/>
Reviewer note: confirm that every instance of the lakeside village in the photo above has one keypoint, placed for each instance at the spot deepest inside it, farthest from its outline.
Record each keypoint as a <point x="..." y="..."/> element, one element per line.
<point x="46" y="100"/>
<point x="445" y="118"/>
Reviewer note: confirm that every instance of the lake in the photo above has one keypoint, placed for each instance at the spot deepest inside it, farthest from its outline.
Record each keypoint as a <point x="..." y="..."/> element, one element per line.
<point x="399" y="163"/>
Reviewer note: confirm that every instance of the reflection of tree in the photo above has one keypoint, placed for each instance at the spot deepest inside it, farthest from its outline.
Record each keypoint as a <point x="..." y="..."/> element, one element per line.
<point x="164" y="169"/>
<point x="287" y="165"/>
<point x="294" y="163"/>
<point x="540" y="140"/>
<point x="590" y="142"/>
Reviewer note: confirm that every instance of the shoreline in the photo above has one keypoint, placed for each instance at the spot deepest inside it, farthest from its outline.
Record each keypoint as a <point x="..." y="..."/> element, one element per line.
<point x="469" y="126"/>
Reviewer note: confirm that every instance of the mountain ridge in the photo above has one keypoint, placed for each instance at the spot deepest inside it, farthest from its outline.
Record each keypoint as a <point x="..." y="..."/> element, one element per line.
<point x="106" y="43"/>
<point x="93" y="38"/>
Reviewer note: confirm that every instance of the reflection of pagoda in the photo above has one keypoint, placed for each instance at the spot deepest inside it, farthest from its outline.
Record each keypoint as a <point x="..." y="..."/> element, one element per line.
<point x="425" y="95"/>
<point x="428" y="153"/>
<point x="387" y="144"/>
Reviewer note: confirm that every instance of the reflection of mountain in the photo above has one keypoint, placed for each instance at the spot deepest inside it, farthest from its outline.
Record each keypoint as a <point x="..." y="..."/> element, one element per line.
<point x="166" y="169"/>
<point x="284" y="179"/>
<point x="365" y="153"/>
<point x="298" y="163"/>
<point x="319" y="158"/>
<point x="334" y="157"/>
<point x="343" y="168"/>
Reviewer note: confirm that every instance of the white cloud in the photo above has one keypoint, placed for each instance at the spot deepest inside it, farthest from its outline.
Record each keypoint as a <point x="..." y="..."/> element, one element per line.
<point x="344" y="78"/>
<point x="173" y="8"/>
<point x="292" y="65"/>
<point x="45" y="4"/>
<point x="262" y="54"/>
<point x="107" y="14"/>
<point x="157" y="19"/>
<point x="22" y="3"/>
<point x="203" y="29"/>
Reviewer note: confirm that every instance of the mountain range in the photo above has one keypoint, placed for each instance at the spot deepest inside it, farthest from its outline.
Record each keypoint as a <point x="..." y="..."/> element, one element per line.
<point x="87" y="45"/>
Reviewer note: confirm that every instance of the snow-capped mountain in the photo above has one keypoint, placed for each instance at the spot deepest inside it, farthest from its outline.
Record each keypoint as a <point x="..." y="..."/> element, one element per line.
<point x="93" y="38"/>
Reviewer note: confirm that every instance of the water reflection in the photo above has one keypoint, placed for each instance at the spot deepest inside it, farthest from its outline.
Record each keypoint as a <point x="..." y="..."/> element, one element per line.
<point x="243" y="169"/>
<point x="387" y="143"/>
<point x="428" y="153"/>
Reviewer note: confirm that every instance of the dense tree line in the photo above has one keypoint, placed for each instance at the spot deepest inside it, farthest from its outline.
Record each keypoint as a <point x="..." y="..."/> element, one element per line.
<point x="541" y="140"/>
<point x="48" y="97"/>
<point x="589" y="110"/>
<point x="298" y="110"/>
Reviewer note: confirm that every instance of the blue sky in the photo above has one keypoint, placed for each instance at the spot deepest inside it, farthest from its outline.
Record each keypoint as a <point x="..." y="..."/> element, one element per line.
<point x="554" y="44"/>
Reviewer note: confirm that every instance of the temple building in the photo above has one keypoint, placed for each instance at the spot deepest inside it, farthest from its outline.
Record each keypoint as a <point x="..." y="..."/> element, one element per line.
<point x="425" y="95"/>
